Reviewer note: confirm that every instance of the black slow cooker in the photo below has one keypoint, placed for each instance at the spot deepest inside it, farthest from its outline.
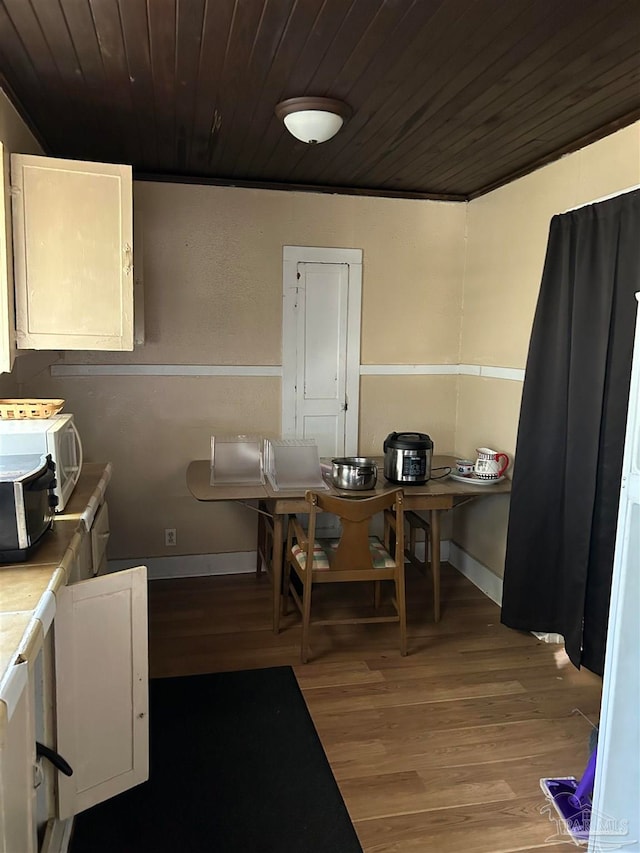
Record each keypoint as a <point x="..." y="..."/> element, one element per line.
<point x="407" y="457"/>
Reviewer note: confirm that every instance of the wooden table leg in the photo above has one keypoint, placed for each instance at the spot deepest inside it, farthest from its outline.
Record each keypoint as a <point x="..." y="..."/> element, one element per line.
<point x="435" y="562"/>
<point x="261" y="543"/>
<point x="276" y="564"/>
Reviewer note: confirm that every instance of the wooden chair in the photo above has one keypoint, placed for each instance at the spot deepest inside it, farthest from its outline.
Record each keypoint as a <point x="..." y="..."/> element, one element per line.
<point x="355" y="556"/>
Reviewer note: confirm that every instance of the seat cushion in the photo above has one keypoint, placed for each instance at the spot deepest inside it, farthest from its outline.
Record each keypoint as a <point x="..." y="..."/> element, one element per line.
<point x="322" y="548"/>
<point x="320" y="558"/>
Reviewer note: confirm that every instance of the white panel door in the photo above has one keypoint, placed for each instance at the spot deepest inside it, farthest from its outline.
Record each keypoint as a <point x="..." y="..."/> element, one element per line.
<point x="323" y="291"/>
<point x="321" y="347"/>
<point x="102" y="687"/>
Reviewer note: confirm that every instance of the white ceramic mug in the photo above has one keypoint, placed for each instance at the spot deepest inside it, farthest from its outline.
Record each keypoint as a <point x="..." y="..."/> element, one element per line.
<point x="488" y="465"/>
<point x="465" y="467"/>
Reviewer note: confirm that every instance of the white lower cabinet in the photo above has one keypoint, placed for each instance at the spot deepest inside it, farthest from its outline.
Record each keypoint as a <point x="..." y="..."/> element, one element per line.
<point x="101" y="665"/>
<point x="83" y="693"/>
<point x="74" y="679"/>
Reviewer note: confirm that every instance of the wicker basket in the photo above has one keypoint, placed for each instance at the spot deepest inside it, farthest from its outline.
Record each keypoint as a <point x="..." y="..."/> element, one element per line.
<point x="16" y="410"/>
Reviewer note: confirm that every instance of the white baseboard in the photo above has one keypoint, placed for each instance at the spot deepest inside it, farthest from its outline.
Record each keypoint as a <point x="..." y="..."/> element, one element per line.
<point x="191" y="565"/>
<point x="244" y="562"/>
<point x="476" y="572"/>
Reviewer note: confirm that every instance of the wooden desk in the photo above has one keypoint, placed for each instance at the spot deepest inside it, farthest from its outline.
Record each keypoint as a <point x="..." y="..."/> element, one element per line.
<point x="435" y="496"/>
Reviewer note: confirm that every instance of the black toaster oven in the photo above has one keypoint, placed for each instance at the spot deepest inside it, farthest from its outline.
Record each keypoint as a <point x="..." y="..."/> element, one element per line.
<point x="27" y="504"/>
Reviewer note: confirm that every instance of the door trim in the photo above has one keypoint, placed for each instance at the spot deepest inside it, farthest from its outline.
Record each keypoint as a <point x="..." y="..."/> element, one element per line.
<point x="291" y="257"/>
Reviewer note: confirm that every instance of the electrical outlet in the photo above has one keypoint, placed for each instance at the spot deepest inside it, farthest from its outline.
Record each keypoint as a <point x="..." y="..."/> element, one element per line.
<point x="169" y="536"/>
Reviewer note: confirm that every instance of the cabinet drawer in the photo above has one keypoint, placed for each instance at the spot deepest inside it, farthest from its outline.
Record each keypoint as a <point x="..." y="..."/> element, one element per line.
<point x="99" y="539"/>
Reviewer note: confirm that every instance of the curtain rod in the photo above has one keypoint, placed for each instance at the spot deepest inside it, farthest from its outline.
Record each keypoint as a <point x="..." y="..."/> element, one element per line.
<point x="604" y="198"/>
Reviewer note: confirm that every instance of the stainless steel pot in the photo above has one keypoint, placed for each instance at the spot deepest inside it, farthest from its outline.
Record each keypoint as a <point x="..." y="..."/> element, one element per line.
<point x="354" y="472"/>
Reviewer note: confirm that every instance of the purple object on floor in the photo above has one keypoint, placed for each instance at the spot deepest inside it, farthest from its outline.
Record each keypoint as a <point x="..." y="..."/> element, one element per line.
<point x="575" y="814"/>
<point x="585" y="786"/>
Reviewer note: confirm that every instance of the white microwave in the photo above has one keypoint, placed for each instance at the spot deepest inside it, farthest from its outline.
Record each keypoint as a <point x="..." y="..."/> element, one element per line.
<point x="56" y="436"/>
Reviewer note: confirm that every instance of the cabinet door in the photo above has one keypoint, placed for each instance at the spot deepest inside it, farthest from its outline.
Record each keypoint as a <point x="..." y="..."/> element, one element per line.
<point x="73" y="245"/>
<point x="102" y="687"/>
<point x="7" y="320"/>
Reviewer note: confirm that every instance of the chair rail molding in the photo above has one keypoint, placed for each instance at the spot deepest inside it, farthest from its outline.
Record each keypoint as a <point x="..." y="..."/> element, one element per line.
<point x="275" y="370"/>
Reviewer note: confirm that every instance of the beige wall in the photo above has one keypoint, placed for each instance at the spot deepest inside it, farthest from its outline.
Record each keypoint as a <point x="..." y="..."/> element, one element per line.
<point x="442" y="283"/>
<point x="507" y="238"/>
<point x="213" y="296"/>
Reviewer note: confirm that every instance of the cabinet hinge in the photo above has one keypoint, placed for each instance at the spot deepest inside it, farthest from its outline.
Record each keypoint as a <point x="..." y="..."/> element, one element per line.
<point x="14" y="191"/>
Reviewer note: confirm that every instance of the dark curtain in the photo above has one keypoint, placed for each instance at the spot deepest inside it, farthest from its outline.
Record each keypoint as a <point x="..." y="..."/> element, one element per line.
<point x="566" y="479"/>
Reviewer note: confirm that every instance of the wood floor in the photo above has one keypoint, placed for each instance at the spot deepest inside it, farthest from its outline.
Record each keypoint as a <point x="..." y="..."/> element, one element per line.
<point x="440" y="751"/>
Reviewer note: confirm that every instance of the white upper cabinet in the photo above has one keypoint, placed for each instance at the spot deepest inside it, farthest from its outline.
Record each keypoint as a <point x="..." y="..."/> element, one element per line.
<point x="7" y="319"/>
<point x="73" y="254"/>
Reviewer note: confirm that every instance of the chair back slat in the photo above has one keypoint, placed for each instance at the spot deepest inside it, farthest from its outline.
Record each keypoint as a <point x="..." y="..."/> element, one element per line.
<point x="353" y="552"/>
<point x="353" y="509"/>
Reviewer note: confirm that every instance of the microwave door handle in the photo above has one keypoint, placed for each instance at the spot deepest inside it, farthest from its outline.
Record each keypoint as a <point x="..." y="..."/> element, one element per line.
<point x="79" y="460"/>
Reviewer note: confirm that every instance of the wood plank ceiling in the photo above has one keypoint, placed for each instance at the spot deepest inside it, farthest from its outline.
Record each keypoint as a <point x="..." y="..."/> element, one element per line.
<point x="449" y="98"/>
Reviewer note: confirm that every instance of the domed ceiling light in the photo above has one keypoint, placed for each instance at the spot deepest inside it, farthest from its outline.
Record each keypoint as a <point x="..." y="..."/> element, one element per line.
<point x="312" y="120"/>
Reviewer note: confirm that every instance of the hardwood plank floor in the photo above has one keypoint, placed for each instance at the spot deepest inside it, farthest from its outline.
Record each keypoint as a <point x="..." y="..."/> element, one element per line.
<point x="439" y="751"/>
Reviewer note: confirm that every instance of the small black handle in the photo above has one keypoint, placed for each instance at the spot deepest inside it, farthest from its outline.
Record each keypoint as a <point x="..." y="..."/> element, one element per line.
<point x="55" y="758"/>
<point x="47" y="480"/>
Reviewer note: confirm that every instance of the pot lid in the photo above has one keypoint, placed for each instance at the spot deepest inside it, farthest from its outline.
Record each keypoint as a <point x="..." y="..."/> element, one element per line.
<point x="408" y="441"/>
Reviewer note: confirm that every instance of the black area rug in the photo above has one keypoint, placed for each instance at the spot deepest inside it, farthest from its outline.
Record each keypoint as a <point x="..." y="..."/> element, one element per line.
<point x="235" y="765"/>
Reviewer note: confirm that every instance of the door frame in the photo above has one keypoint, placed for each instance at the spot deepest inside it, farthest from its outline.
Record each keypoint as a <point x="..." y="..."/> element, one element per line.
<point x="291" y="257"/>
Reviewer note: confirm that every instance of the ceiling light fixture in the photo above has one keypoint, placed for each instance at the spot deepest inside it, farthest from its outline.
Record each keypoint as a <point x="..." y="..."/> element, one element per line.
<point x="312" y="120"/>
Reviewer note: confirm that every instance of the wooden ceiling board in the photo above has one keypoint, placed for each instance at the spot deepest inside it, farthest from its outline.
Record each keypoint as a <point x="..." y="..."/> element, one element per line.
<point x="321" y="43"/>
<point x="17" y="43"/>
<point x="123" y="130"/>
<point x="449" y="98"/>
<point x="528" y="100"/>
<point x="470" y="101"/>
<point x="162" y="48"/>
<point x="383" y="88"/>
<point x="189" y="25"/>
<point x="440" y="80"/>
<point x="87" y="114"/>
<point x="206" y="119"/>
<point x="239" y="72"/>
<point x="258" y="99"/>
<point x="264" y="130"/>
<point x="135" y="34"/>
<point x="339" y="76"/>
<point x="509" y="155"/>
